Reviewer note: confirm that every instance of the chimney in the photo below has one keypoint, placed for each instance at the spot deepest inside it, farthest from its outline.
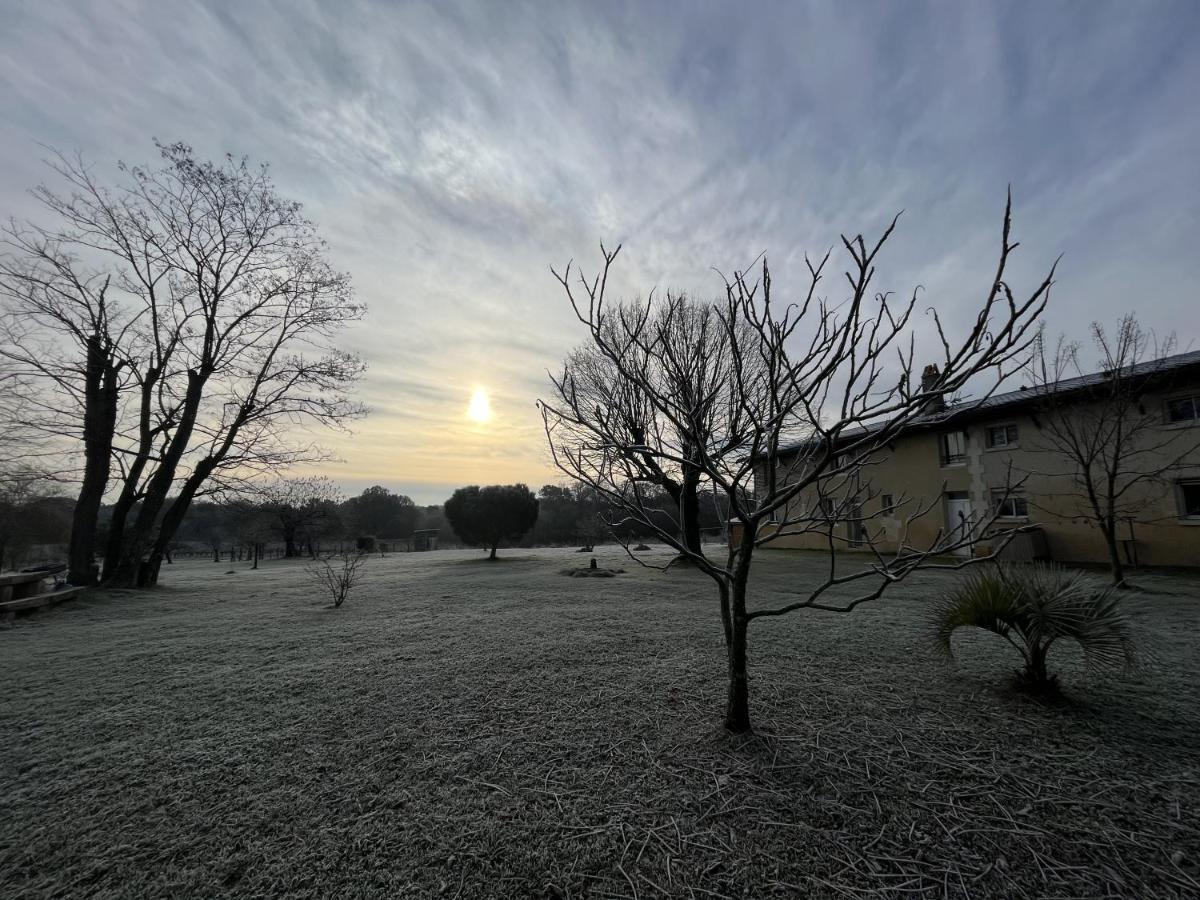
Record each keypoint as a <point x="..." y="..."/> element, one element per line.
<point x="929" y="379"/>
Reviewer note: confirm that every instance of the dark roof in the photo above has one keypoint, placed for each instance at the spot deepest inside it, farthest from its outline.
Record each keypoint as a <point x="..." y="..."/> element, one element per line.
<point x="1013" y="400"/>
<point x="1151" y="368"/>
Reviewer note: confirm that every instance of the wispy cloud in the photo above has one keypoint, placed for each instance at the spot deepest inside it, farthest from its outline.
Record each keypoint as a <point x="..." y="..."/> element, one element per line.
<point x="451" y="153"/>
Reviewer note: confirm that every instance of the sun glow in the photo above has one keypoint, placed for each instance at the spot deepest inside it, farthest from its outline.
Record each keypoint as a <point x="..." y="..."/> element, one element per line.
<point x="480" y="410"/>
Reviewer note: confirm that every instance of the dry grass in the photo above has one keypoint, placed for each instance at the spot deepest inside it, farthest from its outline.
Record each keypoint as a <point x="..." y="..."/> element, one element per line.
<point x="465" y="729"/>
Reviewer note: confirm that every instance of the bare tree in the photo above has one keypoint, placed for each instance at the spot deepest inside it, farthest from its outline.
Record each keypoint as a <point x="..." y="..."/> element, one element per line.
<point x="1100" y="438"/>
<point x="218" y="311"/>
<point x="337" y="574"/>
<point x="299" y="510"/>
<point x="689" y="358"/>
<point x="808" y="408"/>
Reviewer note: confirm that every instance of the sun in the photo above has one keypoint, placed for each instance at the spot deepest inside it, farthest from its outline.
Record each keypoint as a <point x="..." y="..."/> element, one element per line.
<point x="479" y="410"/>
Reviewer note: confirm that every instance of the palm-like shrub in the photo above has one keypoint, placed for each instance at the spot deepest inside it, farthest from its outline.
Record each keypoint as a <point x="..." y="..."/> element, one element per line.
<point x="1034" y="606"/>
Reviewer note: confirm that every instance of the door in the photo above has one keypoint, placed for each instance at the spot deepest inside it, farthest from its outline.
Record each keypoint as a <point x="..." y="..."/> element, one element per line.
<point x="958" y="520"/>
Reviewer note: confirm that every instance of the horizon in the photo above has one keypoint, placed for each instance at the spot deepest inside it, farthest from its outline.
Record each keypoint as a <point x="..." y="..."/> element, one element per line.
<point x="451" y="156"/>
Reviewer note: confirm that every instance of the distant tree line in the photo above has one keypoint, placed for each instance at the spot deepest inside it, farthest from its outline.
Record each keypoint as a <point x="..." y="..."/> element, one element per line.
<point x="579" y="515"/>
<point x="301" y="517"/>
<point x="29" y="518"/>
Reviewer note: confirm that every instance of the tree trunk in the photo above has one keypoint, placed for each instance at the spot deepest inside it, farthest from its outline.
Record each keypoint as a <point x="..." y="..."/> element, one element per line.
<point x="133" y="476"/>
<point x="726" y="622"/>
<point x="737" y="705"/>
<point x="130" y="571"/>
<point x="683" y="495"/>
<point x="689" y="513"/>
<point x="492" y="555"/>
<point x="172" y="519"/>
<point x="1036" y="676"/>
<point x="99" y="422"/>
<point x="1116" y="565"/>
<point x="116" y="530"/>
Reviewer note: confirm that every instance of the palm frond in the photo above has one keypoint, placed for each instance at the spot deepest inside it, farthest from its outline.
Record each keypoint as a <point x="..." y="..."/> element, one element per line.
<point x="983" y="599"/>
<point x="1033" y="606"/>
<point x="1061" y="603"/>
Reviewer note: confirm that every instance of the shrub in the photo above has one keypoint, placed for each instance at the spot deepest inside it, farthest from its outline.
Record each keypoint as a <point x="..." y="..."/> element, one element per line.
<point x="337" y="574"/>
<point x="1034" y="606"/>
<point x="365" y="543"/>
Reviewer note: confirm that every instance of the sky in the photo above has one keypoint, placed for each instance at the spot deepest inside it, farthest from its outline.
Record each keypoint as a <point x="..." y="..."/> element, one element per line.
<point x="450" y="153"/>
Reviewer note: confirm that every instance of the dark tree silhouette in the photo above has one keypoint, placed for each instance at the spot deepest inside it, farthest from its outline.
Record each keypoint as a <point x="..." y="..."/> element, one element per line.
<point x="300" y="511"/>
<point x="809" y="404"/>
<point x="484" y="517"/>
<point x="377" y="511"/>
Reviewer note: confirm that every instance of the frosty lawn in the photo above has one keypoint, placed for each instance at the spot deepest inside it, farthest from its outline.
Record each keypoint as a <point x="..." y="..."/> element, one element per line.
<point x="461" y="728"/>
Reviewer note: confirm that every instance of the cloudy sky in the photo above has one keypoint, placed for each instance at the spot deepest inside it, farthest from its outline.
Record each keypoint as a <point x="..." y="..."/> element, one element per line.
<point x="451" y="153"/>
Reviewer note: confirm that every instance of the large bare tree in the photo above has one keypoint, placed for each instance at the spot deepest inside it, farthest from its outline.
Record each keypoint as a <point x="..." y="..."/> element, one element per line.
<point x="690" y="360"/>
<point x="219" y="311"/>
<point x="813" y="395"/>
<point x="1101" y="444"/>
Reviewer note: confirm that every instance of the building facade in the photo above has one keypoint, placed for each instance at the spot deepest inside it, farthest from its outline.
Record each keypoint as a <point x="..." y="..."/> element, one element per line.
<point x="992" y="466"/>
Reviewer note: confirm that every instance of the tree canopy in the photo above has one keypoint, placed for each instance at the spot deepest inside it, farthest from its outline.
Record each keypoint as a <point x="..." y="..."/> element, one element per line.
<point x="379" y="512"/>
<point x="486" y="516"/>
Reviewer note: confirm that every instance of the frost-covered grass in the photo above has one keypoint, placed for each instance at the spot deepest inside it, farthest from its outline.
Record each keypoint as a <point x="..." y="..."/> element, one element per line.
<point x="462" y="728"/>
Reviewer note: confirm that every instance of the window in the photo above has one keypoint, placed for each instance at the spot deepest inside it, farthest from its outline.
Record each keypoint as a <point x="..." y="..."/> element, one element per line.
<point x="886" y="505"/>
<point x="953" y="447"/>
<point x="827" y="507"/>
<point x="857" y="529"/>
<point x="1183" y="409"/>
<point x="1189" y="499"/>
<point x="1001" y="435"/>
<point x="1012" y="506"/>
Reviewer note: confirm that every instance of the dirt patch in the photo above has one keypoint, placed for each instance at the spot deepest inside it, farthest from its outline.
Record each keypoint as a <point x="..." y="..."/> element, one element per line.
<point x="587" y="572"/>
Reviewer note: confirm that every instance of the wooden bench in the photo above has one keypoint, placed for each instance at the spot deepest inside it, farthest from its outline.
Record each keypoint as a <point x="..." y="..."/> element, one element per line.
<point x="24" y="590"/>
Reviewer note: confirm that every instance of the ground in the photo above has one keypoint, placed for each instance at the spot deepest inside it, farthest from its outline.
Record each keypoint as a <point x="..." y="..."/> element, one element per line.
<point x="462" y="728"/>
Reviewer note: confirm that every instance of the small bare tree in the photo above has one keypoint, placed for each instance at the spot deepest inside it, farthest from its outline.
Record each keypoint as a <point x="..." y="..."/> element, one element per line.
<point x="1100" y="438"/>
<point x="337" y="574"/>
<point x="806" y="409"/>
